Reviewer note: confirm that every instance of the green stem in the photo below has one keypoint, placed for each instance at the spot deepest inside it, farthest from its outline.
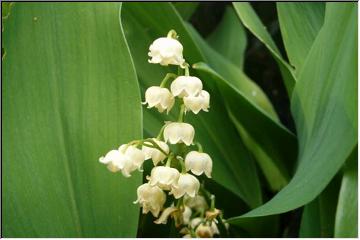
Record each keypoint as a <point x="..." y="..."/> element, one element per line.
<point x="159" y="136"/>
<point x="168" y="162"/>
<point x="154" y="145"/>
<point x="200" y="149"/>
<point x="166" y="79"/>
<point x="183" y="168"/>
<point x="187" y="73"/>
<point x="181" y="113"/>
<point x="212" y="206"/>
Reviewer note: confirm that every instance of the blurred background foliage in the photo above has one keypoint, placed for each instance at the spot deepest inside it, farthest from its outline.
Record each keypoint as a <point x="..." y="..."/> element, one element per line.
<point x="71" y="79"/>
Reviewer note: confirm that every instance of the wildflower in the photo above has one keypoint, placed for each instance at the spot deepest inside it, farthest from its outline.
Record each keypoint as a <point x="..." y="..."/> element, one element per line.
<point x="198" y="202"/>
<point x="187" y="184"/>
<point x="186" y="215"/>
<point x="151" y="198"/>
<point x="185" y="86"/>
<point x="164" y="177"/>
<point x="197" y="103"/>
<point x="155" y="154"/>
<point x="198" y="163"/>
<point x="178" y="132"/>
<point x="160" y="98"/>
<point x="127" y="159"/>
<point x="166" y="51"/>
<point x="202" y="229"/>
<point x="166" y="214"/>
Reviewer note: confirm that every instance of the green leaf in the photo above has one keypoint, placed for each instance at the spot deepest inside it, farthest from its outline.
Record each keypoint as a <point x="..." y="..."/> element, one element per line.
<point x="262" y="227"/>
<point x="276" y="177"/>
<point x="233" y="166"/>
<point x="346" y="224"/>
<point x="318" y="217"/>
<point x="324" y="107"/>
<point x="299" y="25"/>
<point x="229" y="38"/>
<point x="254" y="24"/>
<point x="186" y="9"/>
<point x="70" y="95"/>
<point x="278" y="142"/>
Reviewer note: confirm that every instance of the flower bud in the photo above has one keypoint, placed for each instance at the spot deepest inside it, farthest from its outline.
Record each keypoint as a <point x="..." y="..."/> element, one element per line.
<point x="164" y="177"/>
<point x="197" y="103"/>
<point x="160" y="98"/>
<point x="155" y="154"/>
<point x="198" y="163"/>
<point x="151" y="198"/>
<point x="187" y="184"/>
<point x="166" y="51"/>
<point x="185" y="86"/>
<point x="177" y="132"/>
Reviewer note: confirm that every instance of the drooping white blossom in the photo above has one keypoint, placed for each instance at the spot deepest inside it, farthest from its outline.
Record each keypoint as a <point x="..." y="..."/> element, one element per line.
<point x="151" y="198"/>
<point x="166" y="214"/>
<point x="197" y="203"/>
<point x="198" y="102"/>
<point x="165" y="51"/>
<point x="127" y="159"/>
<point x="198" y="163"/>
<point x="187" y="184"/>
<point x="179" y="132"/>
<point x="155" y="154"/>
<point x="164" y="177"/>
<point x="186" y="215"/>
<point x="160" y="98"/>
<point x="202" y="229"/>
<point x="184" y="86"/>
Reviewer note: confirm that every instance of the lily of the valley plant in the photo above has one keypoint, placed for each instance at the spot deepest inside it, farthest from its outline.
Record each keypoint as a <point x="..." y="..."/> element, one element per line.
<point x="177" y="159"/>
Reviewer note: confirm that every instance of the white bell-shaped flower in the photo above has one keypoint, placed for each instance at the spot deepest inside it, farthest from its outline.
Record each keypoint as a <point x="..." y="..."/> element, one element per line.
<point x="159" y="97"/>
<point x="187" y="184"/>
<point x="204" y="230"/>
<point x="166" y="51"/>
<point x="198" y="202"/>
<point x="197" y="103"/>
<point x="164" y="177"/>
<point x="151" y="198"/>
<point x="186" y="215"/>
<point x="127" y="159"/>
<point x="198" y="163"/>
<point x="178" y="132"/>
<point x="112" y="159"/>
<point x="185" y="86"/>
<point x="155" y="154"/>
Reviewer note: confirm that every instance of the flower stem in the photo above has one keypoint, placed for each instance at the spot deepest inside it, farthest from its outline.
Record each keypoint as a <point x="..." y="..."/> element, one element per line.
<point x="187" y="73"/>
<point x="166" y="79"/>
<point x="200" y="149"/>
<point x="181" y="113"/>
<point x="181" y="161"/>
<point x="168" y="162"/>
<point x="159" y="136"/>
<point x="154" y="145"/>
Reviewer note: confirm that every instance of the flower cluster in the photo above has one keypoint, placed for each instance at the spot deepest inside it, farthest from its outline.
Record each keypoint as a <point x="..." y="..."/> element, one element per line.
<point x="177" y="159"/>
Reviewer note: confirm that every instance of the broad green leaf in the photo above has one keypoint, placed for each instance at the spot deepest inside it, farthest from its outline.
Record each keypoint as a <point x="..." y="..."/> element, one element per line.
<point x="346" y="223"/>
<point x="254" y="24"/>
<point x="233" y="166"/>
<point x="324" y="107"/>
<point x="276" y="177"/>
<point x="299" y="25"/>
<point x="264" y="227"/>
<point x="229" y="38"/>
<point x="186" y="9"/>
<point x="278" y="142"/>
<point x="70" y="95"/>
<point x="318" y="217"/>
